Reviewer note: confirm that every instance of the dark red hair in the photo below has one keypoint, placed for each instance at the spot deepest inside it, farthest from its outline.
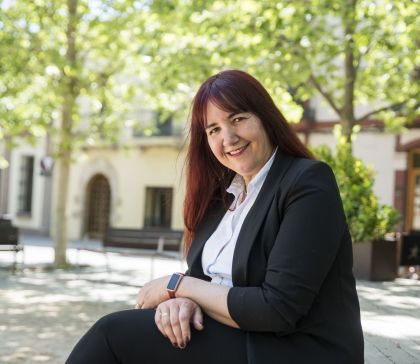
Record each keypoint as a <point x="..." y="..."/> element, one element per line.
<point x="207" y="178"/>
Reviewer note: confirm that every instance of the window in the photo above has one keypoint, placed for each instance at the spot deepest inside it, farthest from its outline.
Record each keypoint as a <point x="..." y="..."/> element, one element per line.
<point x="26" y="177"/>
<point x="158" y="210"/>
<point x="154" y="124"/>
<point x="164" y="125"/>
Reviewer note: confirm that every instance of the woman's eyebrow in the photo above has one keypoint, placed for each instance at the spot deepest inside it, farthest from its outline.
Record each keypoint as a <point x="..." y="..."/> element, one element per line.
<point x="210" y="126"/>
<point x="230" y="116"/>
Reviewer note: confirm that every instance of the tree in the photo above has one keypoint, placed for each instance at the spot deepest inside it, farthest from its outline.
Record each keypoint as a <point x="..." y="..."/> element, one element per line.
<point x="350" y="52"/>
<point x="76" y="50"/>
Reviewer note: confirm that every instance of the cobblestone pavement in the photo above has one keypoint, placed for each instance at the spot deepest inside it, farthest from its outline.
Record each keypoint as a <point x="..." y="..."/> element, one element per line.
<point x="44" y="312"/>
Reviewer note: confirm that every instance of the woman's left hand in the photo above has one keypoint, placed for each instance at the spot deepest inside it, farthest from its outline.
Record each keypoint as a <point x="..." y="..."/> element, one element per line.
<point x="153" y="293"/>
<point x="173" y="319"/>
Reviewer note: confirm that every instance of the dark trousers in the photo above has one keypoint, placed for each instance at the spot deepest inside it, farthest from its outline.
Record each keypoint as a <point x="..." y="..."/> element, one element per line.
<point x="131" y="337"/>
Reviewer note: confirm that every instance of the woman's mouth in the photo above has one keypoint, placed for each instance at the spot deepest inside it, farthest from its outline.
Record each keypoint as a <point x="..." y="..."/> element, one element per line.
<point x="238" y="151"/>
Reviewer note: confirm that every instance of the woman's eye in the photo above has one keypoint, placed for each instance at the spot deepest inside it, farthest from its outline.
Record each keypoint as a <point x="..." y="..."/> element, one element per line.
<point x="212" y="131"/>
<point x="238" y="119"/>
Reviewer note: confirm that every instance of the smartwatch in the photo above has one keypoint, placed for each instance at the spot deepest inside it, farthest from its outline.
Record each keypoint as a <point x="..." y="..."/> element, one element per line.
<point x="173" y="284"/>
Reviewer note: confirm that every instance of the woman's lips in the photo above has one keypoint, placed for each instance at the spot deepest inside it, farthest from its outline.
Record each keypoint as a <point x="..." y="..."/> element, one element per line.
<point x="237" y="152"/>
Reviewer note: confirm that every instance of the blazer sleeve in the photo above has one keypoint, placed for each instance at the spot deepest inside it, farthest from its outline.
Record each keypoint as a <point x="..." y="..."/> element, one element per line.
<point x="304" y="251"/>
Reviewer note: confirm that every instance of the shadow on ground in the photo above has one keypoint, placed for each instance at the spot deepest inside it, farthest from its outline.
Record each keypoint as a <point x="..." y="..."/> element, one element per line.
<point x="43" y="314"/>
<point x="391" y="321"/>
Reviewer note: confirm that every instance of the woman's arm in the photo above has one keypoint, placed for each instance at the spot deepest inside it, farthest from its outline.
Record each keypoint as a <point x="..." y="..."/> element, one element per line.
<point x="212" y="298"/>
<point x="311" y="234"/>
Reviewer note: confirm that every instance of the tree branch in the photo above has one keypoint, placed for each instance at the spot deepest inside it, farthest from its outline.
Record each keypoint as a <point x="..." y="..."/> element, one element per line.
<point x="363" y="54"/>
<point x="326" y="95"/>
<point x="385" y="108"/>
<point x="312" y="79"/>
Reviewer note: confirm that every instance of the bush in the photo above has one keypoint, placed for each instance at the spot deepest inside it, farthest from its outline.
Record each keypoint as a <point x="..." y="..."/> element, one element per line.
<point x="367" y="219"/>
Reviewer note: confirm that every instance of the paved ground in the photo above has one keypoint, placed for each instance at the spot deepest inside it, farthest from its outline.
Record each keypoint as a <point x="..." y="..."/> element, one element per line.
<point x="43" y="313"/>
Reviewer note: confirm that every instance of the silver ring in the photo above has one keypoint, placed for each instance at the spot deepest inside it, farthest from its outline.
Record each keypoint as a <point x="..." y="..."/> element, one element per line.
<point x="164" y="314"/>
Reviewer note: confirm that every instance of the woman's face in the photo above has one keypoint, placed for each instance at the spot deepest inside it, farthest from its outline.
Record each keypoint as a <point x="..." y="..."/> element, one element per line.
<point x="238" y="141"/>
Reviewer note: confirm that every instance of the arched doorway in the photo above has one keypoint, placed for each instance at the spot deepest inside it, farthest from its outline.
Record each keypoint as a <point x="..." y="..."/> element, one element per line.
<point x="98" y="206"/>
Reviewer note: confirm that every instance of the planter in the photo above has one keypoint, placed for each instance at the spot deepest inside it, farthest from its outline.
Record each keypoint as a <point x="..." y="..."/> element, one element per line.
<point x="375" y="260"/>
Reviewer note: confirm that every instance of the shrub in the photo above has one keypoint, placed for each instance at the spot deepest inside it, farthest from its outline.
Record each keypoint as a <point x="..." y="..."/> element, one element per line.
<point x="367" y="219"/>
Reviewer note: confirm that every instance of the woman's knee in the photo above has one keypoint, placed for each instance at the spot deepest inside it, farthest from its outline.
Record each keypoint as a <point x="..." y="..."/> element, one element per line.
<point x="125" y="323"/>
<point x="112" y="321"/>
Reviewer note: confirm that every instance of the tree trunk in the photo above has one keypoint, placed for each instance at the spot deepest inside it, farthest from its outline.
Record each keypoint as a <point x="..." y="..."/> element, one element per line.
<point x="349" y="24"/>
<point x="70" y="93"/>
<point x="5" y="182"/>
<point x="63" y="171"/>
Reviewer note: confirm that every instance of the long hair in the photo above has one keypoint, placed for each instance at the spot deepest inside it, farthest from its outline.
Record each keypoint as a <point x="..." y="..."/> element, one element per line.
<point x="207" y="179"/>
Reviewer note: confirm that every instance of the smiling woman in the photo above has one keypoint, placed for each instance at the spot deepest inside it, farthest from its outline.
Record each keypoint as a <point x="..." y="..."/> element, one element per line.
<point x="238" y="141"/>
<point x="269" y="253"/>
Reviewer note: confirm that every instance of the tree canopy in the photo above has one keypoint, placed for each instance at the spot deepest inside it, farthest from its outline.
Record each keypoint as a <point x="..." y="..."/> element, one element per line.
<point x="351" y="53"/>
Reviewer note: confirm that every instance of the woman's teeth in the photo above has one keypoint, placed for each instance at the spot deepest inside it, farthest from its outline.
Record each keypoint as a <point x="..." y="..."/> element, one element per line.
<point x="237" y="151"/>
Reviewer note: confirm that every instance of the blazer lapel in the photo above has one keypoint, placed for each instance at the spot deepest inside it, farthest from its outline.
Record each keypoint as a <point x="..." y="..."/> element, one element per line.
<point x="210" y="222"/>
<point x="256" y="216"/>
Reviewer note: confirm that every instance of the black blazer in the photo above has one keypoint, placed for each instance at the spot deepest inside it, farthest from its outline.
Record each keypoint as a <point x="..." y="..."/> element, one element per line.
<point x="294" y="292"/>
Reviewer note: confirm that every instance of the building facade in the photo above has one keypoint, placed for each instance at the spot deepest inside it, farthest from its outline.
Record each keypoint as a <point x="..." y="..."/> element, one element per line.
<point x="142" y="184"/>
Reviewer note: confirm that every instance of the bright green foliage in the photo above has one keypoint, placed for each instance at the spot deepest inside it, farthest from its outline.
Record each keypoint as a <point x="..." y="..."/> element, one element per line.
<point x="17" y="62"/>
<point x="367" y="219"/>
<point x="36" y="72"/>
<point x="349" y="52"/>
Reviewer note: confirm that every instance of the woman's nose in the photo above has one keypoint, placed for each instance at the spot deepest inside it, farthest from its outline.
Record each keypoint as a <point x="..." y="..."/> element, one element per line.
<point x="230" y="137"/>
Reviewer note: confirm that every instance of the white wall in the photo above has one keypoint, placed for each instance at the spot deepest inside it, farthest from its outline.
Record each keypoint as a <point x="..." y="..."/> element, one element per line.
<point x="129" y="173"/>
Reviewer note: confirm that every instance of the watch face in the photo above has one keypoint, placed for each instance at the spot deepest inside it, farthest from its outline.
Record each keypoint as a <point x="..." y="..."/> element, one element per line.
<point x="173" y="281"/>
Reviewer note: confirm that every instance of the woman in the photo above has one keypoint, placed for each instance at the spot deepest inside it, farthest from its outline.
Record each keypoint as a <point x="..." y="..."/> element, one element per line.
<point x="269" y="254"/>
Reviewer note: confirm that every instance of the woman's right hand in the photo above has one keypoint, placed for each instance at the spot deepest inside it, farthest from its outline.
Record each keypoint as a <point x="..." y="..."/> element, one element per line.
<point x="173" y="318"/>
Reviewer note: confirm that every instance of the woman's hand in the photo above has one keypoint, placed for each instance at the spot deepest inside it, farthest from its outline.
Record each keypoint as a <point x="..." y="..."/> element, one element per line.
<point x="153" y="293"/>
<point x="173" y="318"/>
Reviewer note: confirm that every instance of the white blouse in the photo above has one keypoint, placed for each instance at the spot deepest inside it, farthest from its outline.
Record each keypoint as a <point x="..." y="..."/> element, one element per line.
<point x="218" y="251"/>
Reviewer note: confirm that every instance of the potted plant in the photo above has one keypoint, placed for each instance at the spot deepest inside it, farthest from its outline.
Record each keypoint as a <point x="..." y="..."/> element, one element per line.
<point x="374" y="255"/>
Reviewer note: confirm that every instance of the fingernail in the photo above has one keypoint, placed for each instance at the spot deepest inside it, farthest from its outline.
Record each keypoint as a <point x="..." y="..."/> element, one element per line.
<point x="175" y="345"/>
<point x="182" y="346"/>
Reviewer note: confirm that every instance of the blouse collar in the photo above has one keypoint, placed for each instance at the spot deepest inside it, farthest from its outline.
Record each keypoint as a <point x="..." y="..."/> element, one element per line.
<point x="237" y="185"/>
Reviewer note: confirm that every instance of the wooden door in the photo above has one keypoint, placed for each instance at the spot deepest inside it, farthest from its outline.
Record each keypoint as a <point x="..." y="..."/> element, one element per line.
<point x="98" y="206"/>
<point x="413" y="191"/>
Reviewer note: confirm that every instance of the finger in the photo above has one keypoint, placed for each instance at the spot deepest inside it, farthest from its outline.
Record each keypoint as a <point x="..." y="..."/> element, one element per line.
<point x="159" y="323"/>
<point x="185" y="313"/>
<point x="165" y="321"/>
<point x="176" y="326"/>
<point x="198" y="319"/>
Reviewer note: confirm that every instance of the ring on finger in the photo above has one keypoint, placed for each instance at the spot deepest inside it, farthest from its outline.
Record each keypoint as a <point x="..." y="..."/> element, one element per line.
<point x="162" y="314"/>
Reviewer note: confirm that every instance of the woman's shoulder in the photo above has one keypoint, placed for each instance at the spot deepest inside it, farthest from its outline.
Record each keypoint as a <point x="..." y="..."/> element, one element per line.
<point x="299" y="166"/>
<point x="305" y="171"/>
